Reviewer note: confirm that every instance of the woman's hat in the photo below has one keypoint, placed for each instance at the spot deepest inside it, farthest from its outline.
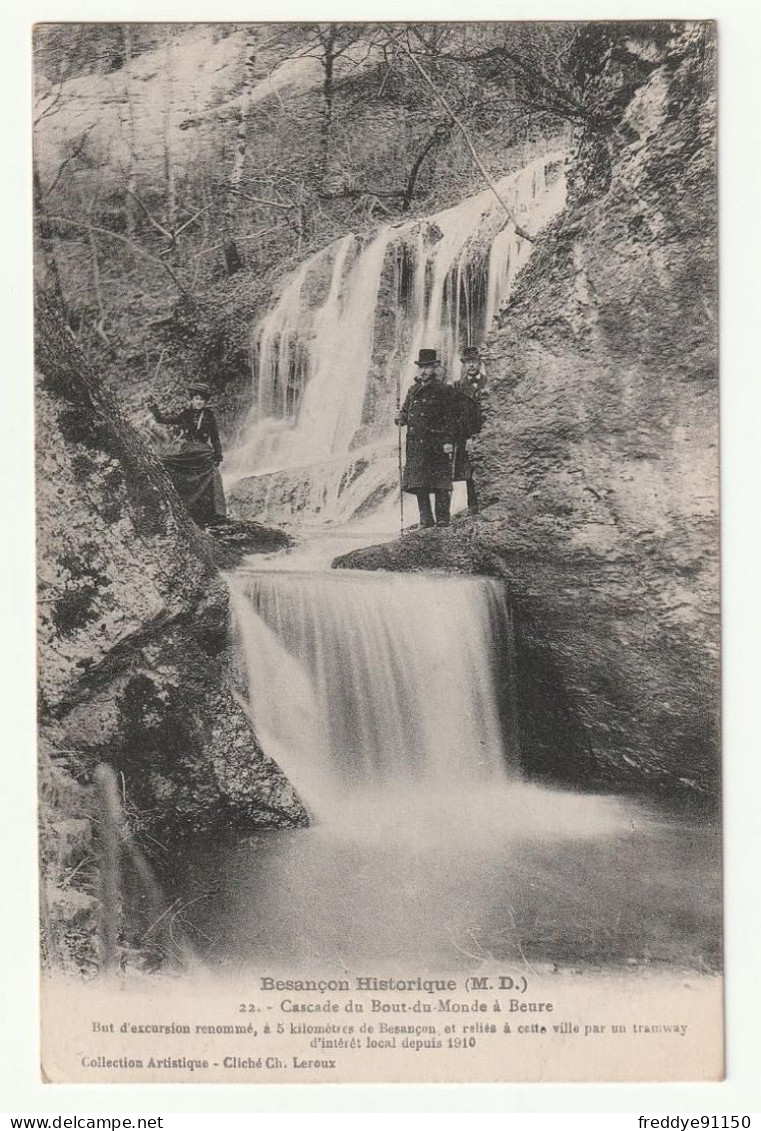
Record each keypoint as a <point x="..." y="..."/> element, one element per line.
<point x="470" y="353"/>
<point x="427" y="357"/>
<point x="198" y="389"/>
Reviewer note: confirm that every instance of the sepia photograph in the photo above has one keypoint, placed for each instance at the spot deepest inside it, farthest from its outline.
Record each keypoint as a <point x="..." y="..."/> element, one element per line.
<point x="377" y="417"/>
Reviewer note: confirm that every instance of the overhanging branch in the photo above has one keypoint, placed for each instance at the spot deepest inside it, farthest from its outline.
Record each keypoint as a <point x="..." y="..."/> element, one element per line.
<point x="519" y="229"/>
<point x="136" y="247"/>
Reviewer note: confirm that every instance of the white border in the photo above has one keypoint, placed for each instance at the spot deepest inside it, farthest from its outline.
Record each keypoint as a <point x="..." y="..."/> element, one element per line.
<point x="740" y="106"/>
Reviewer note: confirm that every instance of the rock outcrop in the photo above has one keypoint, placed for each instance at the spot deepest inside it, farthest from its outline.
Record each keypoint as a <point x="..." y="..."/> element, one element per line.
<point x="133" y="629"/>
<point x="598" y="463"/>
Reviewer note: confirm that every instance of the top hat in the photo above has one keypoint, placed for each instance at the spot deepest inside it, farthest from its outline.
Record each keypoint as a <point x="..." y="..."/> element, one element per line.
<point x="470" y="353"/>
<point x="199" y="389"/>
<point x="427" y="357"/>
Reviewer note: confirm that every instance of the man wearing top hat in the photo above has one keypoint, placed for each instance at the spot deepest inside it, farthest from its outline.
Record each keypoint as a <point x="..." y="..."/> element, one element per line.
<point x="428" y="413"/>
<point x="194" y="469"/>
<point x="469" y="419"/>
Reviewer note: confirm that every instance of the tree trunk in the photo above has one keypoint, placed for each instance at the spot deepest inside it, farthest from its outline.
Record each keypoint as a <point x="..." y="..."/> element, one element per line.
<point x="100" y="327"/>
<point x="328" y="63"/>
<point x="66" y="373"/>
<point x="129" y="203"/>
<point x="438" y="135"/>
<point x="233" y="258"/>
<point x="169" y="178"/>
<point x="46" y="241"/>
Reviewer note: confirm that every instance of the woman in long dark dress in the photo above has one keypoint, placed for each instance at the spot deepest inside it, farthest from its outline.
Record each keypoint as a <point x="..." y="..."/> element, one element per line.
<point x="194" y="470"/>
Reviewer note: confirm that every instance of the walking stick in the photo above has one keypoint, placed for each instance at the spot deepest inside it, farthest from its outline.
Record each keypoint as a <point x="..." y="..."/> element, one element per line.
<point x="399" y="452"/>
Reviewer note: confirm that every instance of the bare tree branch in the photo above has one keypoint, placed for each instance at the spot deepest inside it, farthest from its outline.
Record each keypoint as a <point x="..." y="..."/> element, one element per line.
<point x="376" y="203"/>
<point x="192" y="219"/>
<point x="240" y="239"/>
<point x="123" y="239"/>
<point x="389" y="69"/>
<point x="519" y="230"/>
<point x="71" y="157"/>
<point x="99" y="325"/>
<point x="260" y="200"/>
<point x="151" y="219"/>
<point x="51" y="107"/>
<point x="158" y="364"/>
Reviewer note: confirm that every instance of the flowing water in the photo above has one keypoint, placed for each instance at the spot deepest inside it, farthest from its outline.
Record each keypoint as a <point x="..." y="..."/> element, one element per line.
<point x="390" y="700"/>
<point x="386" y="681"/>
<point x="339" y="344"/>
<point x="456" y="879"/>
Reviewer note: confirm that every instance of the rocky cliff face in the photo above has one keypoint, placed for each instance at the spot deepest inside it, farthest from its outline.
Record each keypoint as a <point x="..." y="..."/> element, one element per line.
<point x="598" y="462"/>
<point x="133" y="630"/>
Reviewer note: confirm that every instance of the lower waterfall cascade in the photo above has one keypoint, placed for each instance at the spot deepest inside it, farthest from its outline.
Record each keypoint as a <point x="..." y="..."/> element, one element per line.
<point x="358" y="681"/>
<point x="388" y="700"/>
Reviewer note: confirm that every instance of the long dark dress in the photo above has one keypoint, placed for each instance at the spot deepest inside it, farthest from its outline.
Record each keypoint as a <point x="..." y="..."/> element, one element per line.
<point x="194" y="470"/>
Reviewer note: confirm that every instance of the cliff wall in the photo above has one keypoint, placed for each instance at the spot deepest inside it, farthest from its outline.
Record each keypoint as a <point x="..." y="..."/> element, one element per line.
<point x="598" y="463"/>
<point x="132" y="636"/>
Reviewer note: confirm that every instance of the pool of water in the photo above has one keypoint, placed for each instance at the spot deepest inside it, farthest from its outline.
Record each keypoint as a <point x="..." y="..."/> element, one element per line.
<point x="428" y="881"/>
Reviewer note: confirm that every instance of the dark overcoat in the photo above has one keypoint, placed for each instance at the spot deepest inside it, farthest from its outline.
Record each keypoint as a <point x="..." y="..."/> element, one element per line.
<point x="468" y="421"/>
<point x="429" y="414"/>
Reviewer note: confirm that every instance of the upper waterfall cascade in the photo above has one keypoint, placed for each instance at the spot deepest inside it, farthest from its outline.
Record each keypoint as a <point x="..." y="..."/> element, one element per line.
<point x="347" y="327"/>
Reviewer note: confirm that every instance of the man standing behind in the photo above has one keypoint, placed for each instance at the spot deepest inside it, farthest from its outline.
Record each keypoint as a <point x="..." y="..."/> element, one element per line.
<point x="429" y="415"/>
<point x="469" y="419"/>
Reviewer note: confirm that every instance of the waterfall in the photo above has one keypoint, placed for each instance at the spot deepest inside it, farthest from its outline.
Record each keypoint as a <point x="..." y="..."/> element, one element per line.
<point x="384" y="699"/>
<point x="347" y="328"/>
<point x="362" y="682"/>
<point x="319" y="382"/>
